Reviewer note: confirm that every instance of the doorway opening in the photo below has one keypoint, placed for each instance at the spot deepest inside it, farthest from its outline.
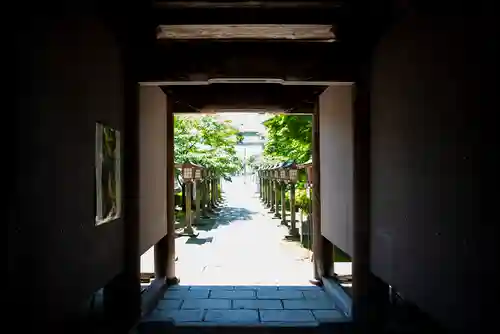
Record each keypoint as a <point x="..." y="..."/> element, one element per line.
<point x="235" y="238"/>
<point x="241" y="256"/>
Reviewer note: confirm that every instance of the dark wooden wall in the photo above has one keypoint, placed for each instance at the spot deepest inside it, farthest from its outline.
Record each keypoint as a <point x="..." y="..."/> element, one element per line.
<point x="432" y="91"/>
<point x="70" y="76"/>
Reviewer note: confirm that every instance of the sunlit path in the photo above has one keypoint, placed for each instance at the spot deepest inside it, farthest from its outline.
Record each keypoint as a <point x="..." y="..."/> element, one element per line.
<point x="244" y="247"/>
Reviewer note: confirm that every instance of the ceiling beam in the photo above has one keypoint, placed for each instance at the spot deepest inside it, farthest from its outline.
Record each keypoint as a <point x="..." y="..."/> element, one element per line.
<point x="203" y="61"/>
<point x="248" y="32"/>
<point x="238" y="97"/>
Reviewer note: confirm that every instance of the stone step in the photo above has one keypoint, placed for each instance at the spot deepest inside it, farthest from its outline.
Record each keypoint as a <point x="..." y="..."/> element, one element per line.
<point x="269" y="328"/>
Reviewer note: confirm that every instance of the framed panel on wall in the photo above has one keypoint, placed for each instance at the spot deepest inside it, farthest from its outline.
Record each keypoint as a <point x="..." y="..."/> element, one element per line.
<point x="107" y="172"/>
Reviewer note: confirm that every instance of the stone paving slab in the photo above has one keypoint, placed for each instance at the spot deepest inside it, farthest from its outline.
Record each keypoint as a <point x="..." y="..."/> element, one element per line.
<point x="186" y="294"/>
<point x="236" y="294"/>
<point x="286" y="316"/>
<point x="280" y="294"/>
<point x="329" y="316"/>
<point x="258" y="304"/>
<point x="257" y="287"/>
<point x="169" y="304"/>
<point x="206" y="304"/>
<point x="266" y="328"/>
<point x="232" y="316"/>
<point x="301" y="287"/>
<point x="315" y="294"/>
<point x="309" y="304"/>
<point x="175" y="316"/>
<point x="212" y="287"/>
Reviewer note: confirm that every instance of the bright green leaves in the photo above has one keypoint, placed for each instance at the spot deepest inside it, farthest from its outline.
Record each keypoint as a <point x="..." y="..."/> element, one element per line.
<point x="207" y="142"/>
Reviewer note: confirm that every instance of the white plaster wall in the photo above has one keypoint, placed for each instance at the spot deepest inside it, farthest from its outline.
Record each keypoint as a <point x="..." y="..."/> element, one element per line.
<point x="152" y="166"/>
<point x="336" y="149"/>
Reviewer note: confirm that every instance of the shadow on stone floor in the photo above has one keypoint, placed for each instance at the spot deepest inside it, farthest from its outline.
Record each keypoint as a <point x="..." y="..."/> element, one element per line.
<point x="264" y="306"/>
<point x="226" y="216"/>
<point x="199" y="241"/>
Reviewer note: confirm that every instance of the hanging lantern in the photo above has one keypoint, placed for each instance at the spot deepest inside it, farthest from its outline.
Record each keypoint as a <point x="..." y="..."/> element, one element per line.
<point x="292" y="173"/>
<point x="308" y="166"/>
<point x="198" y="174"/>
<point x="187" y="172"/>
<point x="283" y="176"/>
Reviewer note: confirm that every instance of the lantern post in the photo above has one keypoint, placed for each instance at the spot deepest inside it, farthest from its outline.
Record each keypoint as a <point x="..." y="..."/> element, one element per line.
<point x="188" y="177"/>
<point x="198" y="170"/>
<point x="204" y="193"/>
<point x="292" y="177"/>
<point x="259" y="174"/>
<point x="283" y="179"/>
<point x="268" y="188"/>
<point x="277" y="191"/>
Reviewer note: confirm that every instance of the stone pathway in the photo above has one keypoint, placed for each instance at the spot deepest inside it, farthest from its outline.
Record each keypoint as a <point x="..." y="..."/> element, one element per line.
<point x="243" y="245"/>
<point x="241" y="270"/>
<point x="296" y="306"/>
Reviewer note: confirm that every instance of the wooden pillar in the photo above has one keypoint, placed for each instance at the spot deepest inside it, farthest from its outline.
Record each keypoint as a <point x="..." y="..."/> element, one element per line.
<point x="316" y="197"/>
<point x="277" y="196"/>
<point x="327" y="256"/>
<point x="272" y="192"/>
<point x="188" y="229"/>
<point x="210" y="193"/>
<point x="183" y="196"/>
<point x="323" y="251"/>
<point x="197" y="216"/>
<point x="283" y="204"/>
<point x="309" y="217"/>
<point x="207" y="195"/>
<point x="218" y="190"/>
<point x="268" y="193"/>
<point x="264" y="191"/>
<point x="204" y="198"/>
<point x="363" y="309"/>
<point x="170" y="237"/>
<point x="260" y="187"/>
<point x="293" y="224"/>
<point x="213" y="193"/>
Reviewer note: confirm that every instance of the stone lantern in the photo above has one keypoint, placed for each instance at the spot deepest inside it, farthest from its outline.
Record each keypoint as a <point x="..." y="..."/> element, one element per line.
<point x="189" y="172"/>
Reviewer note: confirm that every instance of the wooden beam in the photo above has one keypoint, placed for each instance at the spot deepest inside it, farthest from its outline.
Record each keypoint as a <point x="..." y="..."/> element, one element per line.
<point x="170" y="237"/>
<point x="248" y="32"/>
<point x="364" y="304"/>
<point x="203" y="61"/>
<point x="316" y="198"/>
<point x="234" y="97"/>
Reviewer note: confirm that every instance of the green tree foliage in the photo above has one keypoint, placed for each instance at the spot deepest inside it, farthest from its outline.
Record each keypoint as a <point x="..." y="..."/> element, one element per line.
<point x="207" y="142"/>
<point x="252" y="162"/>
<point x="289" y="137"/>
